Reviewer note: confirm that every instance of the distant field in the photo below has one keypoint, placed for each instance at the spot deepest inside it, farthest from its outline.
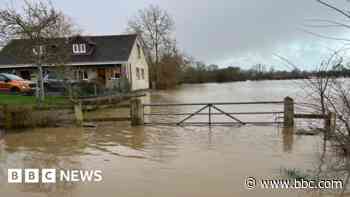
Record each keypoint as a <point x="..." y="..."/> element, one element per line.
<point x="6" y="99"/>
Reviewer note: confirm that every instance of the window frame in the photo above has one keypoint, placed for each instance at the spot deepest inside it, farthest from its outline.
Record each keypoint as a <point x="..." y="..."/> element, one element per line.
<point x="75" y="48"/>
<point x="138" y="73"/>
<point x="82" y="48"/>
<point x="85" y="75"/>
<point x="79" y="48"/>
<point x="143" y="73"/>
<point x="82" y="75"/>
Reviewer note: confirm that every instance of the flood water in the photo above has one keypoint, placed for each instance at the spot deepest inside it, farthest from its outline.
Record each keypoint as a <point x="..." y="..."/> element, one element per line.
<point x="165" y="160"/>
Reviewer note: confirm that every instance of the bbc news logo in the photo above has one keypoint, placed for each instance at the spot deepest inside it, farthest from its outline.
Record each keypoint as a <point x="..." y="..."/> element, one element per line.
<point x="52" y="176"/>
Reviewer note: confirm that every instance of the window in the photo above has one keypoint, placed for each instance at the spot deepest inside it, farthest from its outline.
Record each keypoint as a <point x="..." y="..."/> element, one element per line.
<point x="143" y="73"/>
<point x="138" y="51"/>
<point x="12" y="77"/>
<point x="82" y="75"/>
<point x="75" y="48"/>
<point x="2" y="78"/>
<point x="82" y="48"/>
<point x="85" y="75"/>
<point x="79" y="48"/>
<point x="117" y="73"/>
<point x="138" y="73"/>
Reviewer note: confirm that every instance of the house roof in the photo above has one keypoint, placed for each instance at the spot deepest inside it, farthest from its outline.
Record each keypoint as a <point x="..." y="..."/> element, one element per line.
<point x="107" y="49"/>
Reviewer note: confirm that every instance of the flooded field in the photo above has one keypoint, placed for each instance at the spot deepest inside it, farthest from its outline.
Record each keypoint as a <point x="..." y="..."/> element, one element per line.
<point x="163" y="160"/>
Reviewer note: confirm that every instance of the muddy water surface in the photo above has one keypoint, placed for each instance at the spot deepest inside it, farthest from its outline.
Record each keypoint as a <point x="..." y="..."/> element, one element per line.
<point x="164" y="160"/>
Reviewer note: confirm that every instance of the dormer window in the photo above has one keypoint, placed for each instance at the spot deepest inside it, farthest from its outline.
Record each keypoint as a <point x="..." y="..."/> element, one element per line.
<point x="38" y="50"/>
<point x="79" y="48"/>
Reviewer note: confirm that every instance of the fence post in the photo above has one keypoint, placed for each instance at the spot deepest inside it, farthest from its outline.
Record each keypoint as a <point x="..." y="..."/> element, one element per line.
<point x="288" y="112"/>
<point x="79" y="118"/>
<point x="95" y="90"/>
<point x="136" y="112"/>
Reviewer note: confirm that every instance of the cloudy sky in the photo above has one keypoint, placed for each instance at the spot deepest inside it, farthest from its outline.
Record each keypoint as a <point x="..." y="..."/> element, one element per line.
<point x="226" y="32"/>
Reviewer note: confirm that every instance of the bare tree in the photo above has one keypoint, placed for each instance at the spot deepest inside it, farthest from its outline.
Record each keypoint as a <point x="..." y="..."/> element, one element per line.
<point x="328" y="93"/>
<point x="335" y="92"/>
<point x="341" y="11"/>
<point x="173" y="60"/>
<point x="334" y="96"/>
<point x="155" y="26"/>
<point x="45" y="31"/>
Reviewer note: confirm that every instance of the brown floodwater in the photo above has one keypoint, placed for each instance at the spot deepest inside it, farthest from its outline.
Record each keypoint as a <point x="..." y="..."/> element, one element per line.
<point x="164" y="160"/>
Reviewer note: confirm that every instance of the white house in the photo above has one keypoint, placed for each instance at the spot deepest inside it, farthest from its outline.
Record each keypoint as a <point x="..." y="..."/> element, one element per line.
<point x="102" y="58"/>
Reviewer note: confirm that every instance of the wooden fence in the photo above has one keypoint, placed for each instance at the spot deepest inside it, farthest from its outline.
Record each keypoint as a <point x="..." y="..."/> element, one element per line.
<point x="137" y="114"/>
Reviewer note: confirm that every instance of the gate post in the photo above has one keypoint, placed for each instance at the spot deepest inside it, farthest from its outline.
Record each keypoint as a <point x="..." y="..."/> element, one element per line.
<point x="136" y="112"/>
<point x="288" y="112"/>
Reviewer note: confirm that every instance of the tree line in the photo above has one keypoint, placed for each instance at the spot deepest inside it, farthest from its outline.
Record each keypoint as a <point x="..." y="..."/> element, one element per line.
<point x="201" y="73"/>
<point x="170" y="67"/>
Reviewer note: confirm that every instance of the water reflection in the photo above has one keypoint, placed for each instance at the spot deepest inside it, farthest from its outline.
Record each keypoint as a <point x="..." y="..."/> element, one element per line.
<point x="182" y="154"/>
<point x="42" y="149"/>
<point x="288" y="139"/>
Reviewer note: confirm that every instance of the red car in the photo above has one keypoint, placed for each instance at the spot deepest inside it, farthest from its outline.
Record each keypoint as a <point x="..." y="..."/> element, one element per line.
<point x="14" y="84"/>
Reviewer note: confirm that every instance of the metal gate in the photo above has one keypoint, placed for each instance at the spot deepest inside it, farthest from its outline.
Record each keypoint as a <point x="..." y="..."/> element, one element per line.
<point x="213" y="109"/>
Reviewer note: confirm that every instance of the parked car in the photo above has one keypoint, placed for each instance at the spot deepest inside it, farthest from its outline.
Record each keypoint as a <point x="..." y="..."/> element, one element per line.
<point x="54" y="83"/>
<point x="15" y="84"/>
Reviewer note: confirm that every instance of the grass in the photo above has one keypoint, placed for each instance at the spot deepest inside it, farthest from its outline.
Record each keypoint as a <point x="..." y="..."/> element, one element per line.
<point x="7" y="99"/>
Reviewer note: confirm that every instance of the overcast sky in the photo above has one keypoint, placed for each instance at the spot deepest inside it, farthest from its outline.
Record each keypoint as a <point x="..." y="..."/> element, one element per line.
<point x="225" y="32"/>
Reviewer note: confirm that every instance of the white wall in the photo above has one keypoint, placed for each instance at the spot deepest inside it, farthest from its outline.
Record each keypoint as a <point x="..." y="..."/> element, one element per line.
<point x="141" y="63"/>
